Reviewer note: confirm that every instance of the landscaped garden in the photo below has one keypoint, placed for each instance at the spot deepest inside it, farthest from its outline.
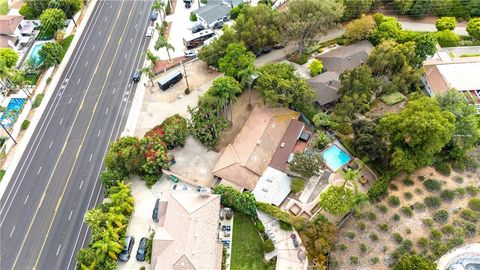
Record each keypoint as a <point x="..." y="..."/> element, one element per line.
<point x="426" y="212"/>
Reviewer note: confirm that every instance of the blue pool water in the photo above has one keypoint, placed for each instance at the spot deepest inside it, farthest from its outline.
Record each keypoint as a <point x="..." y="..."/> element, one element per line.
<point x="34" y="55"/>
<point x="15" y="105"/>
<point x="335" y="158"/>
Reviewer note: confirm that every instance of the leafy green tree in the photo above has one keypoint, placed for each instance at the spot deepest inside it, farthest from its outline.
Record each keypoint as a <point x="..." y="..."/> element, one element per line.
<point x="414" y="262"/>
<point x="107" y="246"/>
<point x="156" y="156"/>
<point x="355" y="8"/>
<point x="369" y="144"/>
<point x="212" y="53"/>
<point x="306" y="164"/>
<point x="52" y="20"/>
<point x="33" y="8"/>
<point x="309" y="19"/>
<point x="206" y="124"/>
<point x="447" y="38"/>
<point x="124" y="156"/>
<point x="387" y="28"/>
<point x="446" y="23"/>
<point x="321" y="140"/>
<point x="70" y="7"/>
<point x="322" y="119"/>
<point x="473" y="28"/>
<point x="350" y="176"/>
<point x="86" y="259"/>
<point x="403" y="6"/>
<point x="417" y="133"/>
<point x="162" y="42"/>
<point x="390" y="58"/>
<point x="176" y="131"/>
<point x="110" y="178"/>
<point x="315" y="67"/>
<point x="51" y="54"/>
<point x="360" y="29"/>
<point x="281" y="86"/>
<point x="337" y="200"/>
<point x="241" y="201"/>
<point x="235" y="11"/>
<point x="474" y="7"/>
<point x="425" y="45"/>
<point x="420" y="8"/>
<point x="225" y="90"/>
<point x="9" y="57"/>
<point x="236" y="59"/>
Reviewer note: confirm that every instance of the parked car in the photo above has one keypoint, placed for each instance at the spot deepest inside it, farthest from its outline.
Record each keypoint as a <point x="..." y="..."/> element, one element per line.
<point x="218" y="25"/>
<point x="197" y="28"/>
<point x="191" y="53"/>
<point x="127" y="249"/>
<point x="142" y="248"/>
<point x="155" y="211"/>
<point x="188" y="4"/>
<point x="150" y="31"/>
<point x="136" y="76"/>
<point x="154" y="15"/>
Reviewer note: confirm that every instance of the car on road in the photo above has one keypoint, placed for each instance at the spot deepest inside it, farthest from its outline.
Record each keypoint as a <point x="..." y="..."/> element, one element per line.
<point x="154" y="15"/>
<point x="150" y="31"/>
<point x="218" y="25"/>
<point x="136" y="76"/>
<point x="191" y="53"/>
<point x="142" y="248"/>
<point x="127" y="249"/>
<point x="197" y="28"/>
<point x="155" y="210"/>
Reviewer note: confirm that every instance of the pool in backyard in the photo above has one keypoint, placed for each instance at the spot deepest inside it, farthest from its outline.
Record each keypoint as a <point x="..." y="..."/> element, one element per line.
<point x="335" y="158"/>
<point x="36" y="59"/>
<point x="11" y="112"/>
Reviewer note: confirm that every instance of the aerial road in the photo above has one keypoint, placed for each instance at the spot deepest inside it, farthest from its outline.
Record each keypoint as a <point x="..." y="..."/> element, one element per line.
<point x="56" y="180"/>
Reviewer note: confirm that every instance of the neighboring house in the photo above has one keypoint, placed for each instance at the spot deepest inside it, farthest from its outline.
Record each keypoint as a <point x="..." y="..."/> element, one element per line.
<point x="10" y="30"/>
<point x="215" y="11"/>
<point x="188" y="233"/>
<point x="335" y="62"/>
<point x="443" y="73"/>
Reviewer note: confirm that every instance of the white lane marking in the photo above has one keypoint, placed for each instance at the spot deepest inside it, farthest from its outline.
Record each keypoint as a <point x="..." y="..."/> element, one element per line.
<point x="141" y="12"/>
<point x="58" y="249"/>
<point x="90" y="159"/>
<point x="86" y="64"/>
<point x="81" y="184"/>
<point x="136" y="26"/>
<point x="11" y="233"/>
<point x="70" y="216"/>
<point x="78" y="81"/>
<point x="106" y="19"/>
<point x="126" y="55"/>
<point x="70" y="101"/>
<point x="131" y="40"/>
<point x="100" y="33"/>
<point x="93" y="48"/>
<point x="120" y="73"/>
<point x="61" y="121"/>
<point x="106" y="111"/>
<point x="113" y="92"/>
<point x="39" y="170"/>
<point x="26" y="199"/>
<point x="124" y="99"/>
<point x="50" y="146"/>
<point x="100" y="131"/>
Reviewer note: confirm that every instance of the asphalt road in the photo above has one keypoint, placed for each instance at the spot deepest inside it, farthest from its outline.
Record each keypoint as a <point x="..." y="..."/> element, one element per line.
<point x="56" y="180"/>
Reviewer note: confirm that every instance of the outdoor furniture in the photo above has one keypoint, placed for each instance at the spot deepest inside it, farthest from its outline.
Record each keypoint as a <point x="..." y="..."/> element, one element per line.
<point x="363" y="180"/>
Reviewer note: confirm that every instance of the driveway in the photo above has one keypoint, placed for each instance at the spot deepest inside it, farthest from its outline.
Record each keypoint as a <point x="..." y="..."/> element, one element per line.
<point x="428" y="27"/>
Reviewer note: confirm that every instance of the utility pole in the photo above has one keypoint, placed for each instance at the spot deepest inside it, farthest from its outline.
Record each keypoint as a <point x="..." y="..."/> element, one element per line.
<point x="186" y="76"/>
<point x="9" y="135"/>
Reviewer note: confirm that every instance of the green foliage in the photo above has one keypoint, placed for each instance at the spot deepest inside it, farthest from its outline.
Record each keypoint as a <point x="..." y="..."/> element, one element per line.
<point x="369" y="145"/>
<point x="156" y="157"/>
<point x="337" y="200"/>
<point x="393" y="187"/>
<point x="425" y="45"/>
<point x="403" y="6"/>
<point x="392" y="98"/>
<point x="393" y="201"/>
<point x="460" y="192"/>
<point x="51" y="54"/>
<point x="371" y="216"/>
<point x="474" y="204"/>
<point x="236" y="59"/>
<point x="175" y="130"/>
<point x="65" y="43"/>
<point x="472" y="190"/>
<point x="241" y="201"/>
<point x="110" y="178"/>
<point x="373" y="237"/>
<point x="25" y="124"/>
<point x="193" y="17"/>
<point x="33" y="8"/>
<point x="124" y="156"/>
<point x="447" y="38"/>
<point x="432" y="202"/>
<point x="387" y="28"/>
<point x="442" y="167"/>
<point x="52" y="20"/>
<point x="268" y="246"/>
<point x="423" y="242"/>
<point x="285" y="226"/>
<point x="440" y="216"/>
<point x="383" y="227"/>
<point x="9" y="57"/>
<point x="151" y="179"/>
<point x="350" y="235"/>
<point x="360" y="29"/>
<point x="354" y="260"/>
<point x="318" y="238"/>
<point x="322" y="119"/>
<point x="469" y="215"/>
<point x="148" y="253"/>
<point x="206" y="124"/>
<point x="297" y="184"/>
<point x="407" y="211"/>
<point x="306" y="164"/>
<point x="447" y="195"/>
<point x="397" y="237"/>
<point x="436" y="234"/>
<point x="409" y="262"/>
<point x="374" y="260"/>
<point x="315" y="67"/>
<point x="428" y="222"/>
<point x="473" y="28"/>
<point x="432" y="185"/>
<point x="342" y="247"/>
<point x="321" y="140"/>
<point x="408" y="182"/>
<point x="378" y="190"/>
<point x="362" y="226"/>
<point x="419" y="206"/>
<point x="355" y="8"/>
<point x="70" y="7"/>
<point x="420" y="8"/>
<point x="383" y="208"/>
<point x="446" y="23"/>
<point x="362" y="247"/>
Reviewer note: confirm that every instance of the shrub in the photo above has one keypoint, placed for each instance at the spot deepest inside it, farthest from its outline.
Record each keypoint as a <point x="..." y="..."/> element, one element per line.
<point x="418" y="191"/>
<point x="470" y="229"/>
<point x="193" y="16"/>
<point x="474" y="204"/>
<point x="383" y="227"/>
<point x="438" y="248"/>
<point x="383" y="208"/>
<point x="473" y="28"/>
<point x="458" y="179"/>
<point x="321" y="140"/>
<point x="150" y="179"/>
<point x="378" y="190"/>
<point x="315" y="67"/>
<point x="442" y="168"/>
<point x="408" y="195"/>
<point x="419" y="206"/>
<point x="427" y="222"/>
<point x="440" y="216"/>
<point x="25" y="124"/>
<point x="460" y="192"/>
<point x="354" y="260"/>
<point x="472" y="190"/>
<point x="407" y="211"/>
<point x="350" y="235"/>
<point x="447" y="195"/>
<point x="373" y="237"/>
<point x="469" y="215"/>
<point x="408" y="231"/>
<point x="393" y="201"/>
<point x="361" y="226"/>
<point x="432" y="201"/>
<point x="38" y="100"/>
<point x="175" y="130"/>
<point x="448" y="229"/>
<point x="374" y="260"/>
<point x="447" y="38"/>
<point x="260" y="226"/>
<point x="454" y="242"/>
<point x="297" y="184"/>
<point x="423" y="242"/>
<point x="446" y="23"/>
<point x="396" y="217"/>
<point x="371" y="216"/>
<point x="393" y="187"/>
<point x="285" y="226"/>
<point x="363" y="248"/>
<point x="421" y="178"/>
<point x="242" y="201"/>
<point x="436" y="234"/>
<point x="268" y="246"/>
<point x="432" y="185"/>
<point x="408" y="182"/>
<point x="297" y="222"/>
<point x="187" y="91"/>
<point x="397" y="237"/>
<point x="342" y="247"/>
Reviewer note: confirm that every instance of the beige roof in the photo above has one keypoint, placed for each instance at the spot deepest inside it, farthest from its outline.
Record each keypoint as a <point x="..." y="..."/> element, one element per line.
<point x="243" y="161"/>
<point x="435" y="80"/>
<point x="188" y="238"/>
<point x="4" y="41"/>
<point x="8" y="24"/>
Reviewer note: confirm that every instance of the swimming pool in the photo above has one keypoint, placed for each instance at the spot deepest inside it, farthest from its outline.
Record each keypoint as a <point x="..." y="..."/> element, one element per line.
<point x="37" y="60"/>
<point x="11" y="112"/>
<point x="335" y="158"/>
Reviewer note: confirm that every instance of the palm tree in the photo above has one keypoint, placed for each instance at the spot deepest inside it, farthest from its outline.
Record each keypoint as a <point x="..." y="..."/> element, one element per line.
<point x="248" y="76"/>
<point x="148" y="71"/>
<point x="162" y="42"/>
<point x="107" y="246"/>
<point x="359" y="199"/>
<point x="351" y="176"/>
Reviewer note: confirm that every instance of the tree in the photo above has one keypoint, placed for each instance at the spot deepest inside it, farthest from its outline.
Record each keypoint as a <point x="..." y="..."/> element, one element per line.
<point x="360" y="29"/>
<point x="337" y="200"/>
<point x="350" y="176"/>
<point x="70" y="7"/>
<point x="281" y="86"/>
<point x="206" y="125"/>
<point x="225" y="89"/>
<point x="321" y="140"/>
<point x="355" y="8"/>
<point x="51" y="54"/>
<point x="306" y="164"/>
<point x="473" y="28"/>
<point x="425" y="45"/>
<point x="403" y="6"/>
<point x="176" y="131"/>
<point x="212" y="53"/>
<point x="309" y="19"/>
<point x="414" y="262"/>
<point x="156" y="156"/>
<point x="447" y="38"/>
<point x="446" y="23"/>
<point x="162" y="42"/>
<point x="33" y="8"/>
<point x="315" y="67"/>
<point x="107" y="246"/>
<point x="124" y="156"/>
<point x="420" y="8"/>
<point x="387" y="28"/>
<point x="417" y="133"/>
<point x="9" y="57"/>
<point x="322" y="119"/>
<point x="110" y="178"/>
<point x="52" y="19"/>
<point x="369" y="144"/>
<point x="241" y="201"/>
<point x="236" y="59"/>
<point x="390" y="58"/>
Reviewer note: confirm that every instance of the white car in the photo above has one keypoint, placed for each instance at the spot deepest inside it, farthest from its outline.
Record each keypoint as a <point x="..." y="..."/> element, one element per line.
<point x="150" y="31"/>
<point x="191" y="53"/>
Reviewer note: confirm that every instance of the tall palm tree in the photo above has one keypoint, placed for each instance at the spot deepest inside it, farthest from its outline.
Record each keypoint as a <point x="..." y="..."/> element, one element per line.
<point x="162" y="42"/>
<point x="107" y="246"/>
<point x="350" y="176"/>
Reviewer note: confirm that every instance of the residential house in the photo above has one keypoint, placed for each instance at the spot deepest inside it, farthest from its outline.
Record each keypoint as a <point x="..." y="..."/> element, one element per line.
<point x="10" y="30"/>
<point x="442" y="72"/>
<point x="215" y="11"/>
<point x="335" y="62"/>
<point x="188" y="233"/>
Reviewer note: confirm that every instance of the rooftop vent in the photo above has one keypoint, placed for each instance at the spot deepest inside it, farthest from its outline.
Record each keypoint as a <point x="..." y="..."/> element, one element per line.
<point x="264" y="190"/>
<point x="282" y="145"/>
<point x="258" y="142"/>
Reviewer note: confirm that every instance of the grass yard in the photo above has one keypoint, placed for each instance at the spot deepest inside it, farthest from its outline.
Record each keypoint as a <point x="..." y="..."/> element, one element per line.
<point x="3" y="7"/>
<point x="393" y="98"/>
<point x="247" y="247"/>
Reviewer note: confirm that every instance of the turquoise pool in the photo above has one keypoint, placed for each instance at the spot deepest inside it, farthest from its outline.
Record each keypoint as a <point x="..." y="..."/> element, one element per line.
<point x="11" y="112"/>
<point x="35" y="56"/>
<point x="335" y="158"/>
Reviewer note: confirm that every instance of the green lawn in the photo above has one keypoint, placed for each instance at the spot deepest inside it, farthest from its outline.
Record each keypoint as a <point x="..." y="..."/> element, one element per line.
<point x="3" y="7"/>
<point x="247" y="247"/>
<point x="393" y="98"/>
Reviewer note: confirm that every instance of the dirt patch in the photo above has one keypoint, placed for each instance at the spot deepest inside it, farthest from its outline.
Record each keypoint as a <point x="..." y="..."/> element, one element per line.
<point x="379" y="108"/>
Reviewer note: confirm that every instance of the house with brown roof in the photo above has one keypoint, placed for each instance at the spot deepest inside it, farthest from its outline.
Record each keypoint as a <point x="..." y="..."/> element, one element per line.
<point x="10" y="30"/>
<point x="188" y="234"/>
<point x="335" y="62"/>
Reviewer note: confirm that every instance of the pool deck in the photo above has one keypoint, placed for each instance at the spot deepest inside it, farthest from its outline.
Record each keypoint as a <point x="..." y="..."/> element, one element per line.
<point x="6" y="100"/>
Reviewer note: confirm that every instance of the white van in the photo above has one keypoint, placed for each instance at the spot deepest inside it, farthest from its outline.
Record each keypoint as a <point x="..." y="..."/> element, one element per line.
<point x="150" y="31"/>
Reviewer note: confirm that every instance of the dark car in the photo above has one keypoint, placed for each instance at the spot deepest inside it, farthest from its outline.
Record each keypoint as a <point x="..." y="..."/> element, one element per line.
<point x="136" y="76"/>
<point x="142" y="248"/>
<point x="127" y="249"/>
<point x="188" y="4"/>
<point x="197" y="28"/>
<point x="155" y="211"/>
<point x="218" y="25"/>
<point x="154" y="15"/>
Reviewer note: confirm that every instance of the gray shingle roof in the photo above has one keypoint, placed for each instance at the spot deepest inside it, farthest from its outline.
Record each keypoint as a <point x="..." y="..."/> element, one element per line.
<point x="347" y="57"/>
<point x="326" y="85"/>
<point x="213" y="12"/>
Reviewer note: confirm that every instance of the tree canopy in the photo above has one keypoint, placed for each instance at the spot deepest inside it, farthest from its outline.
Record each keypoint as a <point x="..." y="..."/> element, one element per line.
<point x="70" y="7"/>
<point x="306" y="164"/>
<point x="473" y="27"/>
<point x="360" y="29"/>
<point x="51" y="54"/>
<point x="447" y="38"/>
<point x="355" y="8"/>
<point x="414" y="262"/>
<point x="212" y="53"/>
<point x="9" y="57"/>
<point x="52" y="19"/>
<point x="369" y="144"/>
<point x="446" y="23"/>
<point x="236" y="59"/>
